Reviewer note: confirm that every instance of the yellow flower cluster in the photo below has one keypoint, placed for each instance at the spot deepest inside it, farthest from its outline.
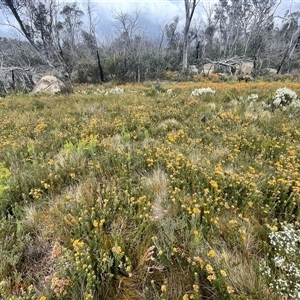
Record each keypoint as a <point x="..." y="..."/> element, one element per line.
<point x="77" y="244"/>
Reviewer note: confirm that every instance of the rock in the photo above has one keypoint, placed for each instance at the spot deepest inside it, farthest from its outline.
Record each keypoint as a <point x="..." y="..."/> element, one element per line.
<point x="271" y="71"/>
<point x="48" y="84"/>
<point x="193" y="69"/>
<point x="208" y="69"/>
<point x="244" y="69"/>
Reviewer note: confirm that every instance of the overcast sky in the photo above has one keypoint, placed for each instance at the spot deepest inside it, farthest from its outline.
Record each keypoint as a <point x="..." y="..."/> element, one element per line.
<point x="152" y="12"/>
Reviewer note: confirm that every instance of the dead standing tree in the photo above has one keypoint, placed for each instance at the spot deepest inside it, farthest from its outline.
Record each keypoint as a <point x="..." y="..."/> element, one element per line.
<point x="190" y="6"/>
<point x="291" y="36"/>
<point x="17" y="58"/>
<point x="38" y="22"/>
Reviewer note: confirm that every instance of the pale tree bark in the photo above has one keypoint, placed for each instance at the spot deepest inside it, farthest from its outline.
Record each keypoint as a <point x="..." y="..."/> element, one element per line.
<point x="160" y="39"/>
<point x="190" y="6"/>
<point x="39" y="22"/>
<point x="289" y="50"/>
<point x="130" y="42"/>
<point x="93" y="19"/>
<point x="291" y="36"/>
<point x="23" y="13"/>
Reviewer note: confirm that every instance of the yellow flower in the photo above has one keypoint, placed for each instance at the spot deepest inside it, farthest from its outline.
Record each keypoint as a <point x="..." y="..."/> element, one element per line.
<point x="211" y="253"/>
<point x="88" y="296"/>
<point x="98" y="224"/>
<point x="282" y="180"/>
<point x="230" y="290"/>
<point x="218" y="170"/>
<point x="117" y="250"/>
<point x="211" y="277"/>
<point x="50" y="162"/>
<point x="196" y="210"/>
<point x="163" y="288"/>
<point x="209" y="268"/>
<point x="43" y="298"/>
<point x="274" y="228"/>
<point x="223" y="273"/>
<point x="78" y="244"/>
<point x="196" y="287"/>
<point x="213" y="184"/>
<point x="46" y="185"/>
<point x="233" y="223"/>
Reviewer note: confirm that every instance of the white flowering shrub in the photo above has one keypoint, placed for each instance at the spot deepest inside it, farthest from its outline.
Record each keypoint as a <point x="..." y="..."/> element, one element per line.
<point x="284" y="97"/>
<point x="116" y="90"/>
<point x="295" y="104"/>
<point x="252" y="97"/>
<point x="283" y="268"/>
<point x="199" y="92"/>
<point x="169" y="92"/>
<point x="98" y="91"/>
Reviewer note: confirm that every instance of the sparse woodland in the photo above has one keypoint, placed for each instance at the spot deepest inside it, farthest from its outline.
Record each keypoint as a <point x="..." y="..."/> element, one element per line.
<point x="66" y="39"/>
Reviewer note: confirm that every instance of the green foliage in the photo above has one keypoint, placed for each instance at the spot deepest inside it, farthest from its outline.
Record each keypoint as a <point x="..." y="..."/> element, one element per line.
<point x="115" y="68"/>
<point x="87" y="72"/>
<point x="5" y="177"/>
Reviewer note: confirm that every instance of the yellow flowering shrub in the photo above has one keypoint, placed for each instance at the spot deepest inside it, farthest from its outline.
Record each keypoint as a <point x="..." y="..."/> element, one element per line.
<point x="144" y="191"/>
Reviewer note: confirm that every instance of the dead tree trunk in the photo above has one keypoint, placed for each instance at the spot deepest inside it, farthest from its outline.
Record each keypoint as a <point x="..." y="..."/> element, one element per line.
<point x="100" y="68"/>
<point x="190" y="6"/>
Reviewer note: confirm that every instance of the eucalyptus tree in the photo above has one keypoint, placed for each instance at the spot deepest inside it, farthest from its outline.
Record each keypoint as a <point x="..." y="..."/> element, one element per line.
<point x="89" y="34"/>
<point x="70" y="25"/>
<point x="129" y="45"/>
<point x="233" y="21"/>
<point x="173" y="34"/>
<point x="173" y="43"/>
<point x="41" y="24"/>
<point x="288" y="40"/>
<point x="190" y="6"/>
<point x="260" y="32"/>
<point x="206" y="45"/>
<point x="89" y="64"/>
<point x="242" y="25"/>
<point x="36" y="22"/>
<point x="245" y="31"/>
<point x="69" y="33"/>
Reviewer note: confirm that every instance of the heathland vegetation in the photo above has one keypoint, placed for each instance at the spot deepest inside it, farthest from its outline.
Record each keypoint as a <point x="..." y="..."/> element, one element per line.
<point x="151" y="191"/>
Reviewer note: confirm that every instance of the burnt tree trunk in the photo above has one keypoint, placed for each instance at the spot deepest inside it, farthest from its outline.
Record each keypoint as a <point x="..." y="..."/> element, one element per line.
<point x="100" y="68"/>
